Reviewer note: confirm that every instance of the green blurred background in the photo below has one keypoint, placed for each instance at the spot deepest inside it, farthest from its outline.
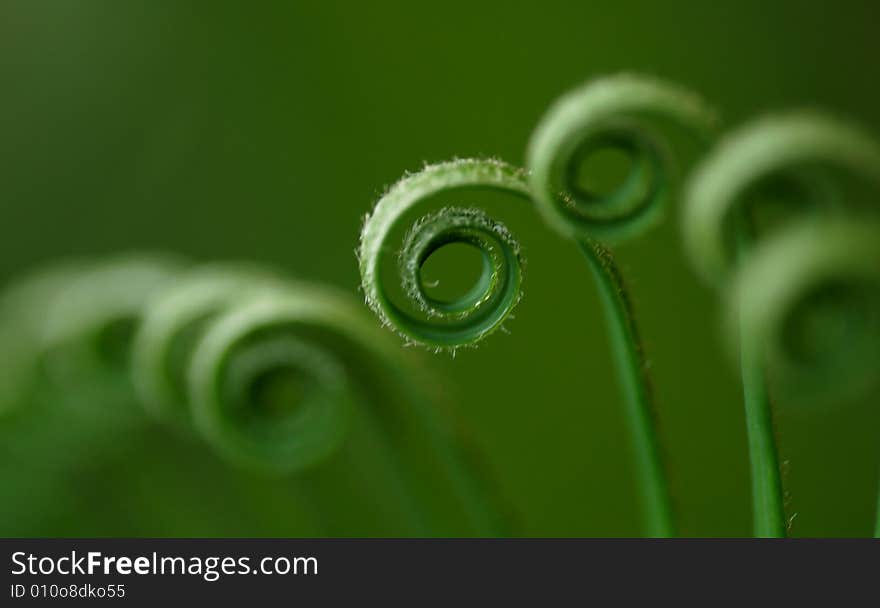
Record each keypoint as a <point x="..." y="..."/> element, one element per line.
<point x="265" y="131"/>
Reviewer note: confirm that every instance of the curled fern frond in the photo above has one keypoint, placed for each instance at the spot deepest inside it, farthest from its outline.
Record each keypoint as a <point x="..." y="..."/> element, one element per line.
<point x="174" y="319"/>
<point x="809" y="300"/>
<point x="281" y="343"/>
<point x="476" y="314"/>
<point x="279" y="404"/>
<point x="799" y="160"/>
<point x="621" y="113"/>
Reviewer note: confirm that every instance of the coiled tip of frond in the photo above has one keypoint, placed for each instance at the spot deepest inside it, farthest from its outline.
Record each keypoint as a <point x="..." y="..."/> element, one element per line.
<point x="262" y="393"/>
<point x="616" y="113"/>
<point x="463" y="321"/>
<point x="809" y="302"/>
<point x="802" y="148"/>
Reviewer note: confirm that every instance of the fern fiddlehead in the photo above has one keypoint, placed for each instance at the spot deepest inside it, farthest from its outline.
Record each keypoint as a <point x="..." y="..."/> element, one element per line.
<point x="802" y="300"/>
<point x="626" y="113"/>
<point x="171" y="335"/>
<point x="277" y="376"/>
<point x="476" y="314"/>
<point x="172" y="324"/>
<point x="608" y="113"/>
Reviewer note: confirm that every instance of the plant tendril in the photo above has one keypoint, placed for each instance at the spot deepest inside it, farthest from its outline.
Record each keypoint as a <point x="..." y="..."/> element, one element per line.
<point x="476" y="314"/>
<point x="621" y="113"/>
<point x="803" y="298"/>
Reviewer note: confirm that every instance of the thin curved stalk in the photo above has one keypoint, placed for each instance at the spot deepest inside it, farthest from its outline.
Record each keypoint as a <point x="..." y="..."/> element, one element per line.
<point x="768" y="513"/>
<point x="629" y="362"/>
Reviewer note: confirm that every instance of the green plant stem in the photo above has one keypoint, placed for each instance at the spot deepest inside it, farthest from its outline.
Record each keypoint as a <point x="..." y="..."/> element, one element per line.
<point x="630" y="366"/>
<point x="768" y="515"/>
<point x="768" y="512"/>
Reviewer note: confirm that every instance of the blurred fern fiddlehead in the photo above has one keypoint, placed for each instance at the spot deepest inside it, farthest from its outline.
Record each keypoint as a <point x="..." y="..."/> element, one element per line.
<point x="276" y="375"/>
<point x="781" y="215"/>
<point x="612" y="113"/>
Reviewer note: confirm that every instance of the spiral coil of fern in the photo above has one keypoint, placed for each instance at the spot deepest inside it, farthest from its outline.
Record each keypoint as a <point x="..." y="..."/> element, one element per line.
<point x="172" y="333"/>
<point x="607" y="113"/>
<point x="623" y="113"/>
<point x="270" y="372"/>
<point x="473" y="316"/>
<point x="802" y="293"/>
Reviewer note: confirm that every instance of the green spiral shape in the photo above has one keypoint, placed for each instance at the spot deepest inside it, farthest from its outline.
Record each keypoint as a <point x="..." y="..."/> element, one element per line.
<point x="463" y="321"/>
<point x="173" y="322"/>
<point x="626" y="113"/>
<point x="801" y="159"/>
<point x="270" y="339"/>
<point x="281" y="404"/>
<point x="810" y="299"/>
<point x="801" y="294"/>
